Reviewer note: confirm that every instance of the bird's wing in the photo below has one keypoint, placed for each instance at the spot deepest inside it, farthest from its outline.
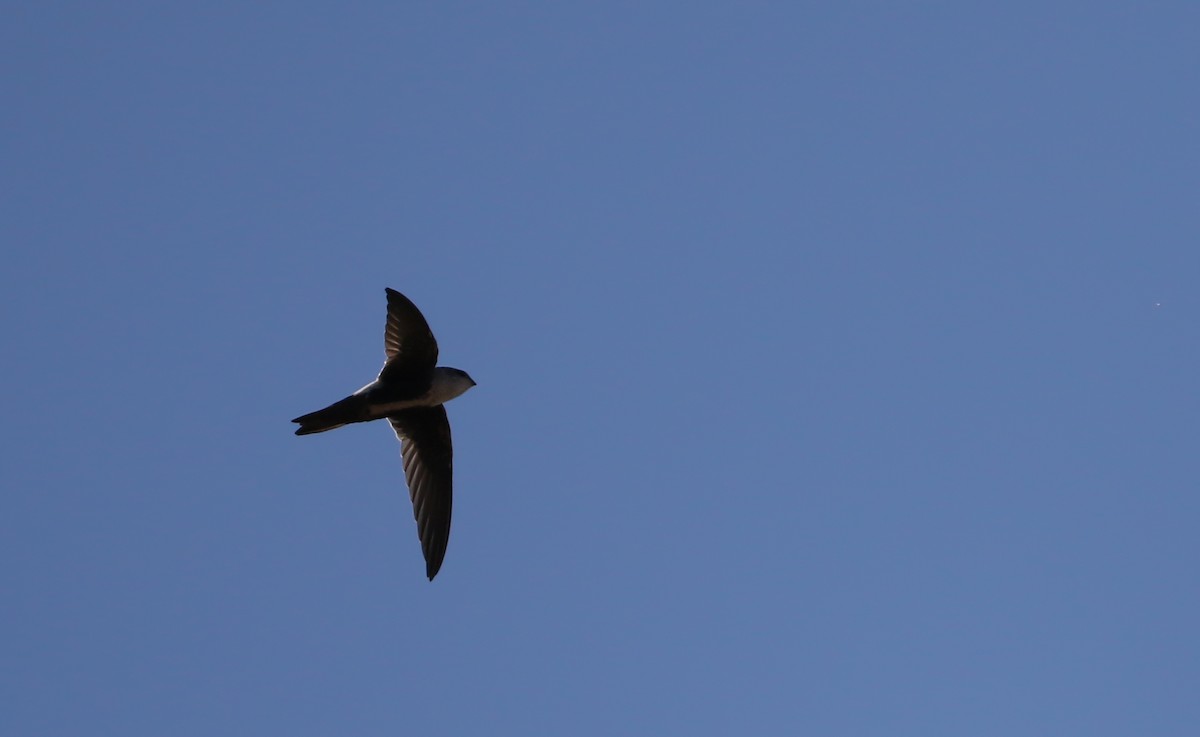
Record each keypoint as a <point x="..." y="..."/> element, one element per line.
<point x="428" y="455"/>
<point x="411" y="349"/>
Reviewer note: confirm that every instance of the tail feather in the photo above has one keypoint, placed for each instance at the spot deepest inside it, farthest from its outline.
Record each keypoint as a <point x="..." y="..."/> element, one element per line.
<point x="343" y="412"/>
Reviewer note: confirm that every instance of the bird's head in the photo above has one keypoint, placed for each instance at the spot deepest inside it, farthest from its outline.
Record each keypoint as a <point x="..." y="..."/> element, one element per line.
<point x="452" y="382"/>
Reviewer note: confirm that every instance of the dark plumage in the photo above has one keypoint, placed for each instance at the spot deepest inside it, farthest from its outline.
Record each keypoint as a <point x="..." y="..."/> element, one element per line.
<point x="410" y="392"/>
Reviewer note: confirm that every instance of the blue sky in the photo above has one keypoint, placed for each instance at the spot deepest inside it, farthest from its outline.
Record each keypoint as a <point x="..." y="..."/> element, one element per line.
<point x="834" y="361"/>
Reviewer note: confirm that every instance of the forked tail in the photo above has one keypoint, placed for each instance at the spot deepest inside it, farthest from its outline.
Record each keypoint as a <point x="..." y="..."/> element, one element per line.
<point x="351" y="409"/>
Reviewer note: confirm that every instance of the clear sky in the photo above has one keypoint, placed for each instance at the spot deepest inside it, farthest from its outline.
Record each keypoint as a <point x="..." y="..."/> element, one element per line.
<point x="837" y="368"/>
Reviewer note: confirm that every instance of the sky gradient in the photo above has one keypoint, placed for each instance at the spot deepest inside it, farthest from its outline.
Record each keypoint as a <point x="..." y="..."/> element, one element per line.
<point x="834" y="368"/>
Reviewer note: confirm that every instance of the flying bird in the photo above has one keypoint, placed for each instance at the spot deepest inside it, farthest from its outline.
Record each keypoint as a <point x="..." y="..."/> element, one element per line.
<point x="410" y="392"/>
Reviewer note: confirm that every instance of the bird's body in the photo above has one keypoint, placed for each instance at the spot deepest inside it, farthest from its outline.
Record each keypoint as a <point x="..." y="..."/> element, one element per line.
<point x="380" y="399"/>
<point x="409" y="392"/>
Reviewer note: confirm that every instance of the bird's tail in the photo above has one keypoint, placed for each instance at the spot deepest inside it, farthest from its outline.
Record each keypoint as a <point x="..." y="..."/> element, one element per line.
<point x="351" y="409"/>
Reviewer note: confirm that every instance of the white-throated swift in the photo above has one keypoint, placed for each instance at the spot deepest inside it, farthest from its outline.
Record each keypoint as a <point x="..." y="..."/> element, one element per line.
<point x="410" y="392"/>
